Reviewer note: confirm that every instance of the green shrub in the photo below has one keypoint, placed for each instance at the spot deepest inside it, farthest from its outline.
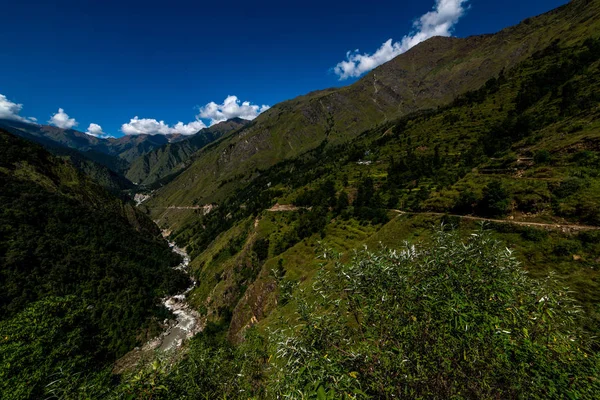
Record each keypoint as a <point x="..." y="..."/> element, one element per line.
<point x="533" y="234"/>
<point x="568" y="187"/>
<point x="466" y="202"/>
<point x="542" y="157"/>
<point x="455" y="320"/>
<point x="495" y="200"/>
<point x="566" y="248"/>
<point x="261" y="248"/>
<point x="584" y="158"/>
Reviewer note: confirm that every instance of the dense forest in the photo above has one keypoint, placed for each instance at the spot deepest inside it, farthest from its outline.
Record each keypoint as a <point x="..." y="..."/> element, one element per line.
<point x="81" y="276"/>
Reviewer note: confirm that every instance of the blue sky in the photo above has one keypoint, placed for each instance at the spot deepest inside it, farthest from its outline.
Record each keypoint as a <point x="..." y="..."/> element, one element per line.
<point x="106" y="62"/>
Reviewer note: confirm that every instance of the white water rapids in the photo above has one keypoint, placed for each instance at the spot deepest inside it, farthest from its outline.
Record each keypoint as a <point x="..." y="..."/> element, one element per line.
<point x="187" y="321"/>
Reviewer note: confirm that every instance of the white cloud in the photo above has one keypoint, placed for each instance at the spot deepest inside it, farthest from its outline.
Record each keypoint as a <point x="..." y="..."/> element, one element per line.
<point x="145" y="126"/>
<point x="61" y="119"/>
<point x="10" y="110"/>
<point x="95" y="130"/>
<point x="150" y="126"/>
<point x="230" y="108"/>
<point x="438" y="22"/>
<point x="188" y="129"/>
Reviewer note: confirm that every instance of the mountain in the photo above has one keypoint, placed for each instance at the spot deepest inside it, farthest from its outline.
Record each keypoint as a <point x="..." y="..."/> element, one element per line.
<point x="429" y="75"/>
<point x="143" y="159"/>
<point x="81" y="272"/>
<point x="97" y="171"/>
<point x="363" y="267"/>
<point x="115" y="153"/>
<point x="171" y="158"/>
<point x="523" y="147"/>
<point x="499" y="129"/>
<point x="435" y="221"/>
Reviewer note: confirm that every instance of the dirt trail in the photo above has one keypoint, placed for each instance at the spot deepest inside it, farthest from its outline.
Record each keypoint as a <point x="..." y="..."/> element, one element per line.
<point x="284" y="207"/>
<point x="508" y="221"/>
<point x="564" y="227"/>
<point x="291" y="207"/>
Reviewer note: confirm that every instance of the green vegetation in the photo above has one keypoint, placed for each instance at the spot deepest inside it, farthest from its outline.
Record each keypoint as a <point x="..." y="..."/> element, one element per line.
<point x="81" y="272"/>
<point x="117" y="162"/>
<point x="433" y="161"/>
<point x="165" y="162"/>
<point x="456" y="318"/>
<point x="450" y="315"/>
<point x="433" y="75"/>
<point x="492" y="153"/>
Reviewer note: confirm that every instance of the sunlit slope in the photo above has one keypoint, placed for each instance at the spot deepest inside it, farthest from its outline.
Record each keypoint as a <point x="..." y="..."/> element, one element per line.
<point x="172" y="157"/>
<point x="431" y="74"/>
<point x="534" y="133"/>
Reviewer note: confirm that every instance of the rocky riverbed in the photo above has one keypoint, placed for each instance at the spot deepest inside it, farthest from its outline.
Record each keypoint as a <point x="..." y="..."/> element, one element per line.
<point x="186" y="324"/>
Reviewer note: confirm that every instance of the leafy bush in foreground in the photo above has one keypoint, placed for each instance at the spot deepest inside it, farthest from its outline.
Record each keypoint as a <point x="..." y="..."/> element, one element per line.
<point x="455" y="320"/>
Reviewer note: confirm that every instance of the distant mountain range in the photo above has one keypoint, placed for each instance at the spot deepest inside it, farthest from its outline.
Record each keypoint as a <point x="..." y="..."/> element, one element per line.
<point x="165" y="161"/>
<point x="115" y="161"/>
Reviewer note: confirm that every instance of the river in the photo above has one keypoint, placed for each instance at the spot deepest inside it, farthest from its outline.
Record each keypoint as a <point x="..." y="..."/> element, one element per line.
<point x="187" y="323"/>
<point x="187" y="320"/>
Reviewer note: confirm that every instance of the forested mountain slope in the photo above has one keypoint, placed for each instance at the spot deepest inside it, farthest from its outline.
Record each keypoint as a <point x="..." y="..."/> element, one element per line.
<point x="431" y="74"/>
<point x="117" y="162"/>
<point x="342" y="255"/>
<point x="114" y="153"/>
<point x="168" y="159"/>
<point x="523" y="146"/>
<point x="311" y="318"/>
<point x="81" y="272"/>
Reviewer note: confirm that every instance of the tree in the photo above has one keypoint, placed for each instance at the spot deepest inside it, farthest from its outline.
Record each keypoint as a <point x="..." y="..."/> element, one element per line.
<point x="542" y="157"/>
<point x="466" y="202"/>
<point x="342" y="202"/>
<point x="495" y="200"/>
<point x="365" y="193"/>
<point x="261" y="248"/>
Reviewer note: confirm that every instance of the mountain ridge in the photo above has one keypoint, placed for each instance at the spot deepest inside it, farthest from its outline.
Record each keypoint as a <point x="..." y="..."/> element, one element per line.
<point x="429" y="75"/>
<point x="168" y="159"/>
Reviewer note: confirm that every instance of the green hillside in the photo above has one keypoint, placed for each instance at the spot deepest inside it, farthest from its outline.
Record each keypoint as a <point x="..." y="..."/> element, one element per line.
<point x="114" y="153"/>
<point x="492" y="153"/>
<point x="431" y="74"/>
<point x="430" y="231"/>
<point x="81" y="272"/>
<point x="117" y="162"/>
<point x="520" y="152"/>
<point x="165" y="161"/>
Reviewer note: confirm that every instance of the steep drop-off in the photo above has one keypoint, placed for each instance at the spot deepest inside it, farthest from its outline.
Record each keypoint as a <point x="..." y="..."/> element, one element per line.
<point x="81" y="272"/>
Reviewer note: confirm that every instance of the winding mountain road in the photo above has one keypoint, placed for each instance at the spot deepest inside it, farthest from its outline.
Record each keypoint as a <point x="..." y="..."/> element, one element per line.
<point x="564" y="227"/>
<point x="509" y="221"/>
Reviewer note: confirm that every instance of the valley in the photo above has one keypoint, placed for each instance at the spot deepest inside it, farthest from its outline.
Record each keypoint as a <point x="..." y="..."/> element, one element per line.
<point x="430" y="230"/>
<point x="186" y="323"/>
